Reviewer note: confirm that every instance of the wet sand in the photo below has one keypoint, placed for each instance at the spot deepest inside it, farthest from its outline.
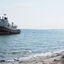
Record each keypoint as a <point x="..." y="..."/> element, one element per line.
<point x="53" y="58"/>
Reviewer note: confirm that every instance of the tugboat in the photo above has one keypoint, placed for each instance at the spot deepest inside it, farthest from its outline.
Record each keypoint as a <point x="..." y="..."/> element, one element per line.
<point x="6" y="28"/>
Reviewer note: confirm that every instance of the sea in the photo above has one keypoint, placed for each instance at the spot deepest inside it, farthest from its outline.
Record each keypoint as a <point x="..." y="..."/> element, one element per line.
<point x="31" y="42"/>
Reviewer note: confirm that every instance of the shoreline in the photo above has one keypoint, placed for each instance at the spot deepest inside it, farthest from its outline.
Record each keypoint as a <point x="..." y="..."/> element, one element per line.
<point x="51" y="58"/>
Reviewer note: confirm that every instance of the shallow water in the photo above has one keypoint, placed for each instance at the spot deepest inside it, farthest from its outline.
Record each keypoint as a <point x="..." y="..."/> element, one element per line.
<point x="31" y="42"/>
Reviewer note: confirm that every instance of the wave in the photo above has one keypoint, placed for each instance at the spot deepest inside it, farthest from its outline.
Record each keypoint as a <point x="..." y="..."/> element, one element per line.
<point x="26" y="51"/>
<point x="45" y="55"/>
<point x="20" y="52"/>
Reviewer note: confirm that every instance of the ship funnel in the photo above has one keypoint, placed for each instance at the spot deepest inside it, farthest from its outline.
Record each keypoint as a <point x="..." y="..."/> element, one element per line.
<point x="12" y="24"/>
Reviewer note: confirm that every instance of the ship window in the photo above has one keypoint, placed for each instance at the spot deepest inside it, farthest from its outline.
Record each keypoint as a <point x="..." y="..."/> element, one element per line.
<point x="5" y="18"/>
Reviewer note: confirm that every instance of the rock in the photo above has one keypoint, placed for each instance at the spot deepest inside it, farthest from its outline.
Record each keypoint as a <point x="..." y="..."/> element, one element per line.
<point x="16" y="59"/>
<point x="2" y="60"/>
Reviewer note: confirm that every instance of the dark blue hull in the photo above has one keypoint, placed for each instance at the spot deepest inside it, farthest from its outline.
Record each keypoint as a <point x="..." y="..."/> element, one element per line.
<point x="6" y="31"/>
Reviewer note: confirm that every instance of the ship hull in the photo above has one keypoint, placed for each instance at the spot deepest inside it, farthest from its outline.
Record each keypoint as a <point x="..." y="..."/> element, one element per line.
<point x="7" y="31"/>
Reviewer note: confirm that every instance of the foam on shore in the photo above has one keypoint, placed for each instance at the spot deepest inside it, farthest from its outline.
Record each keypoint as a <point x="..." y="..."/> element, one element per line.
<point x="43" y="54"/>
<point x="35" y="58"/>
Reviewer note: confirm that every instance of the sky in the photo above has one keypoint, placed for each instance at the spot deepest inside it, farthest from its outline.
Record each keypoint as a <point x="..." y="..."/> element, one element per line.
<point x="34" y="14"/>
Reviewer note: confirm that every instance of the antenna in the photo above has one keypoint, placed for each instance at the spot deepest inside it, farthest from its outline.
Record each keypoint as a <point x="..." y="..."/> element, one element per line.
<point x="4" y="17"/>
<point x="4" y="14"/>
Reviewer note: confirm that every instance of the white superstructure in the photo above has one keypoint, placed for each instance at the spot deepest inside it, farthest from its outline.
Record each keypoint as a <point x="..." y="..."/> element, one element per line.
<point x="4" y="22"/>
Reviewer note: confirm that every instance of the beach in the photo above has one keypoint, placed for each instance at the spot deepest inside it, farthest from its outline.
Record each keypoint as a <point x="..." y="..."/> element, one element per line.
<point x="52" y="58"/>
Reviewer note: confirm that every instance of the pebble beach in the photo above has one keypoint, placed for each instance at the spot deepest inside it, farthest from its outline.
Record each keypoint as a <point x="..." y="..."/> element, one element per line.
<point x="53" y="58"/>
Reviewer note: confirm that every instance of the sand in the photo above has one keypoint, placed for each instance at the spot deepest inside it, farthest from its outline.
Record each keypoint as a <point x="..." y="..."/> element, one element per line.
<point x="53" y="58"/>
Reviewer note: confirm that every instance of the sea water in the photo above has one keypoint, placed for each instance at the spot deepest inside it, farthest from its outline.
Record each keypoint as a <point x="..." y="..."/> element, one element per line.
<point x="31" y="42"/>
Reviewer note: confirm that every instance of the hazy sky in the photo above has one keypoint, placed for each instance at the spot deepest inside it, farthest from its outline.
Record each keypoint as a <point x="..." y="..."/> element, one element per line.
<point x="34" y="14"/>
